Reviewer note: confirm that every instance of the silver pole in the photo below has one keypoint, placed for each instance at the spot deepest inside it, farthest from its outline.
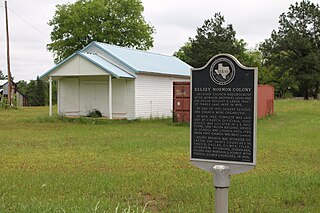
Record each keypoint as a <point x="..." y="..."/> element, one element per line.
<point x="221" y="183"/>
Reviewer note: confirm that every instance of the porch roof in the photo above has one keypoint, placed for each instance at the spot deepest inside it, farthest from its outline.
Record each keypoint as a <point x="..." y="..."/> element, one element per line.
<point x="95" y="59"/>
<point x="105" y="65"/>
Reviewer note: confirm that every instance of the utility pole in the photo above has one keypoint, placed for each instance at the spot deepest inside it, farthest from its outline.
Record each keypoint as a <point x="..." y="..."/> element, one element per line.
<point x="8" y="54"/>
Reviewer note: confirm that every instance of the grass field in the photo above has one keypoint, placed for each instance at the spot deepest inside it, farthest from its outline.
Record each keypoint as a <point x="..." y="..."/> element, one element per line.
<point x="83" y="165"/>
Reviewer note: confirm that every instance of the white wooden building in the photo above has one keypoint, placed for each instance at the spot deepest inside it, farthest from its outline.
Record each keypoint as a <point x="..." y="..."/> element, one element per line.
<point x="21" y="99"/>
<point x="119" y="82"/>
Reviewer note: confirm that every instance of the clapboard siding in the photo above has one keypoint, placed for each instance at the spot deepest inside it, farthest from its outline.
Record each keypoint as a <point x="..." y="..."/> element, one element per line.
<point x="130" y="99"/>
<point x="69" y="98"/>
<point x="154" y="94"/>
<point x="61" y="96"/>
<point x="79" y="66"/>
<point x="19" y="99"/>
<point x="81" y="100"/>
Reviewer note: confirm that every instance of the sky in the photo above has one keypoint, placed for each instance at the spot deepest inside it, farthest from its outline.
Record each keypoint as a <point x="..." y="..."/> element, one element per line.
<point x="174" y="20"/>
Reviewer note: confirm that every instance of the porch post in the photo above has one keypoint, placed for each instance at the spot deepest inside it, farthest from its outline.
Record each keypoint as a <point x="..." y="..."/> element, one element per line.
<point x="58" y="96"/>
<point x="50" y="96"/>
<point x="110" y="97"/>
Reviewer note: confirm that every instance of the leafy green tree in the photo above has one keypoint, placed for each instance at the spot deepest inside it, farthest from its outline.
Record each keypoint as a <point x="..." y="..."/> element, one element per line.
<point x="36" y="92"/>
<point x="32" y="94"/>
<point x="295" y="48"/>
<point x="41" y="92"/>
<point x="184" y="52"/>
<point x="284" y="85"/>
<point x="212" y="38"/>
<point x="54" y="92"/>
<point x="118" y="22"/>
<point x="22" y="86"/>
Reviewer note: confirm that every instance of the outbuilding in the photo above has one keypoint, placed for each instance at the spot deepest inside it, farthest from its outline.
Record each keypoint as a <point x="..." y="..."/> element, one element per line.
<point x="20" y="98"/>
<point x="119" y="82"/>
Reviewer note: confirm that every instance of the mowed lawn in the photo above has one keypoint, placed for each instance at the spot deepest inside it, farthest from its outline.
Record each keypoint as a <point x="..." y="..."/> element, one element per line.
<point x="84" y="165"/>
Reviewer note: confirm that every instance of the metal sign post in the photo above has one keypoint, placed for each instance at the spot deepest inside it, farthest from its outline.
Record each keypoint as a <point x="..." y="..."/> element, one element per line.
<point x="223" y="121"/>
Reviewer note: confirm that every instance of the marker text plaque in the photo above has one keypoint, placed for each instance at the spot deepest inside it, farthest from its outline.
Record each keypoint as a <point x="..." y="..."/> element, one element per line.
<point x="223" y="114"/>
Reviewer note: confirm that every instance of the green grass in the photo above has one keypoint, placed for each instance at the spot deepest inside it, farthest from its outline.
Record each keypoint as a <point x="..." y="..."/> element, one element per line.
<point x="94" y="165"/>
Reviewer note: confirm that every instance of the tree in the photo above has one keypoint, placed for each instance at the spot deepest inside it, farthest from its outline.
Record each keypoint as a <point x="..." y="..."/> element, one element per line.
<point x="31" y="93"/>
<point x="54" y="92"/>
<point x="22" y="86"/>
<point x="212" y="38"/>
<point x="118" y="22"/>
<point x="41" y="92"/>
<point x="295" y="48"/>
<point x="36" y="92"/>
<point x="283" y="84"/>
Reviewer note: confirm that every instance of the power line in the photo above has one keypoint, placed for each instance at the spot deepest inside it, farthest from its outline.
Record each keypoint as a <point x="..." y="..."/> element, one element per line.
<point x="27" y="22"/>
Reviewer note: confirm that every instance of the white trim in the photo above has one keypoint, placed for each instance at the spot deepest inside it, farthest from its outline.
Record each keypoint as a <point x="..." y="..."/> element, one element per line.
<point x="50" y="96"/>
<point x="78" y="75"/>
<point x="110" y="97"/>
<point x="79" y="82"/>
<point x="134" y="99"/>
<point x="58" y="96"/>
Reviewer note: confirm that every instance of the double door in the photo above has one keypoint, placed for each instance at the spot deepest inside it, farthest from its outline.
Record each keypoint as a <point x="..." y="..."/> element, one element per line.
<point x="94" y="96"/>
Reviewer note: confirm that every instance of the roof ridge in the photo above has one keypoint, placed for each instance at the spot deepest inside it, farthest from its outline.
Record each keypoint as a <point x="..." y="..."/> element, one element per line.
<point x="132" y="49"/>
<point x="89" y="53"/>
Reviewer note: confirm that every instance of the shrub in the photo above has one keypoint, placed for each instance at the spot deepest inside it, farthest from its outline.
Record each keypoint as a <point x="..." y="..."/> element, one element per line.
<point x="4" y="103"/>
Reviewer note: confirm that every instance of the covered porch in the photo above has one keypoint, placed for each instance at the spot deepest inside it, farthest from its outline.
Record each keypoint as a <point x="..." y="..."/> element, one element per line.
<point x="87" y="82"/>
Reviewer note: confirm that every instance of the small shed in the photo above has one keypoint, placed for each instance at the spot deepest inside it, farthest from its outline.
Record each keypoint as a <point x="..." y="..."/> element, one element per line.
<point x="119" y="82"/>
<point x="21" y="99"/>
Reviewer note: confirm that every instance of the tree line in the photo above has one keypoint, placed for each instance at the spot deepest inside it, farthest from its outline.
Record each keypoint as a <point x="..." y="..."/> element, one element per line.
<point x="288" y="60"/>
<point x="37" y="92"/>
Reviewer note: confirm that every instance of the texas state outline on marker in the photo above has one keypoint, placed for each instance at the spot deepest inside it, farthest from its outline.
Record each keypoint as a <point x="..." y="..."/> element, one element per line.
<point x="223" y="71"/>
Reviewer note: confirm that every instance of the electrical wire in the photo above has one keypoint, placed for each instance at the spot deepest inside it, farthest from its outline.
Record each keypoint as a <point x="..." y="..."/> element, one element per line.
<point x="27" y="22"/>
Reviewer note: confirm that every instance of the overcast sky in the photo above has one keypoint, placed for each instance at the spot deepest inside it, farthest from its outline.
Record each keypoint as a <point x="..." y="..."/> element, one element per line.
<point x="174" y="20"/>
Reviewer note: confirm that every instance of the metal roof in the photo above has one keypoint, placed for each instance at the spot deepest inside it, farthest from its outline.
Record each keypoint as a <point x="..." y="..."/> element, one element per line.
<point x="98" y="61"/>
<point x="136" y="60"/>
<point x="105" y="65"/>
<point x="143" y="61"/>
<point x="3" y="82"/>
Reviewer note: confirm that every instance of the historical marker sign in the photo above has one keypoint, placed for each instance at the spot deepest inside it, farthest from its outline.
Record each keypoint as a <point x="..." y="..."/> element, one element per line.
<point x="223" y="114"/>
